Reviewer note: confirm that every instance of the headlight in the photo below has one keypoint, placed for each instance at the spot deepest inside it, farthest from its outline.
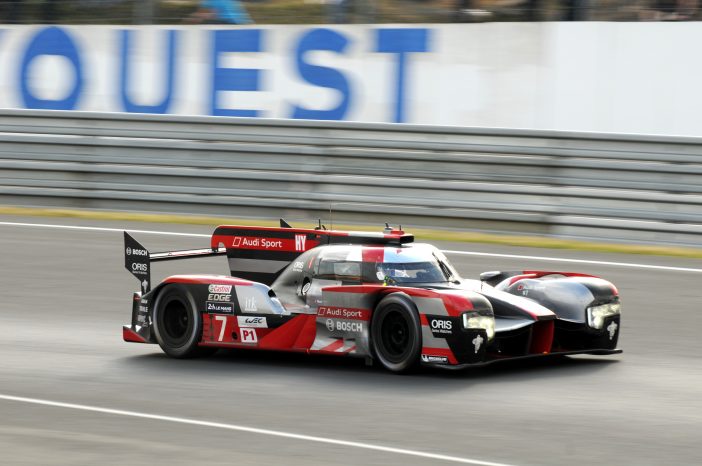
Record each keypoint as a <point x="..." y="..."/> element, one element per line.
<point x="596" y="315"/>
<point x="472" y="320"/>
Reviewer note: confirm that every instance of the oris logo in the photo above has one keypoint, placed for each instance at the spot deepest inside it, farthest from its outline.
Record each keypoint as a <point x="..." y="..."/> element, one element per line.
<point x="138" y="267"/>
<point x="437" y="324"/>
<point x="137" y="252"/>
<point x="441" y="327"/>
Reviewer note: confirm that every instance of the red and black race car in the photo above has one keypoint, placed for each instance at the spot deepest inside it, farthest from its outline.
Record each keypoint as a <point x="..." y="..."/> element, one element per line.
<point x="379" y="296"/>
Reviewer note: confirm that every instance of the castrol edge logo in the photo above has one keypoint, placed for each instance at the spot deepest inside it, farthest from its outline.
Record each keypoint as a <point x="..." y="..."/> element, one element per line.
<point x="219" y="288"/>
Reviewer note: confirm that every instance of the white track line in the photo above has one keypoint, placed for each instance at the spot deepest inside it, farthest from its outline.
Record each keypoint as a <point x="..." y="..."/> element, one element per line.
<point x="251" y="430"/>
<point x="119" y="230"/>
<point x="577" y="261"/>
<point x="466" y="253"/>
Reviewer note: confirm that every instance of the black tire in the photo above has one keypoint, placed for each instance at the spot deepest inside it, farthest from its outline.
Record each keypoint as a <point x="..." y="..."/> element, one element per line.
<point x="396" y="333"/>
<point x="178" y="324"/>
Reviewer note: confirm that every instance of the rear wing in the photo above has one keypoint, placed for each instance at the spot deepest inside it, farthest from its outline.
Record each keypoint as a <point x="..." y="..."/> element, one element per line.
<point x="260" y="254"/>
<point x="137" y="259"/>
<point x="255" y="253"/>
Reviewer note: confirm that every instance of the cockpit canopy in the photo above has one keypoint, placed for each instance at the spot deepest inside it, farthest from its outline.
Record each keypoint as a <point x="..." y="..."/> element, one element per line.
<point x="391" y="265"/>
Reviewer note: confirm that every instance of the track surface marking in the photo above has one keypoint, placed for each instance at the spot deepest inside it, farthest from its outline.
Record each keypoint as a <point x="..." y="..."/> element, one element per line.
<point x="467" y="253"/>
<point x="251" y="430"/>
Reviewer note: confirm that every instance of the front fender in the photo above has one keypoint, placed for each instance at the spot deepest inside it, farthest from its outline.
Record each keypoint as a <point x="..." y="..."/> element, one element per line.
<point x="567" y="296"/>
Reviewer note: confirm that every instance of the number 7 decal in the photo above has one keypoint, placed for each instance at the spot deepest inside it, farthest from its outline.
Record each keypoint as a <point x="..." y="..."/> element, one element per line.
<point x="222" y="319"/>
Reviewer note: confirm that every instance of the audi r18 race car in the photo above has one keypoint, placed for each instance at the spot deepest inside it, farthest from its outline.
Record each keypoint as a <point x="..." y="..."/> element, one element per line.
<point x="378" y="296"/>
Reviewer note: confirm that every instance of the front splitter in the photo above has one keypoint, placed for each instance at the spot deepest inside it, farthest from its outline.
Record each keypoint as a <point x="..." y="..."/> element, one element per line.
<point x="598" y="352"/>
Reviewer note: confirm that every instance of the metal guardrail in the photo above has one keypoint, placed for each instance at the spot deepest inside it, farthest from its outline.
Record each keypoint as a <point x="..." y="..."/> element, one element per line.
<point x="614" y="187"/>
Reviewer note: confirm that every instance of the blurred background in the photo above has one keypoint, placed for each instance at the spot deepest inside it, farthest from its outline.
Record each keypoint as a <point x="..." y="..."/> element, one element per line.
<point x="348" y="11"/>
<point x="502" y="103"/>
<point x="514" y="135"/>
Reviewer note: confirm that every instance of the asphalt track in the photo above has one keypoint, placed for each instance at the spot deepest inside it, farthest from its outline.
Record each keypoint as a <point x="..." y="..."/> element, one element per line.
<point x="65" y="294"/>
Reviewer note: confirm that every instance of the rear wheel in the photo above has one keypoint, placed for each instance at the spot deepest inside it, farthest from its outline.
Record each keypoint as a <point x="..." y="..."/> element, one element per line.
<point x="178" y="324"/>
<point x="396" y="335"/>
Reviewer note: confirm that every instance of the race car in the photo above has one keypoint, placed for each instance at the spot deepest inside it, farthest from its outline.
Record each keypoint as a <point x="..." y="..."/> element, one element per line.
<point x="378" y="296"/>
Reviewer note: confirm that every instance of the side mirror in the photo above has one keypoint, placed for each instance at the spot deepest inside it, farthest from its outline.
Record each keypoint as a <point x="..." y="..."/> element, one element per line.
<point x="306" y="285"/>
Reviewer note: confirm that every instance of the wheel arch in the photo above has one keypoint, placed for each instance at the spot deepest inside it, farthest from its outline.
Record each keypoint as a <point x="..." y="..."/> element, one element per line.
<point x="389" y="353"/>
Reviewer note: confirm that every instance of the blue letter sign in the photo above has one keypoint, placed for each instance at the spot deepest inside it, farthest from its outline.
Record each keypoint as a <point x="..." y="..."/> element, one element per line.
<point x="401" y="41"/>
<point x="233" y="79"/>
<point x="127" y="103"/>
<point x="322" y="76"/>
<point x="51" y="41"/>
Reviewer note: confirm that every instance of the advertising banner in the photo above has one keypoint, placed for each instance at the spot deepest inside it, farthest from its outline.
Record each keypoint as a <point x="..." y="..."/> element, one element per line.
<point x="607" y="77"/>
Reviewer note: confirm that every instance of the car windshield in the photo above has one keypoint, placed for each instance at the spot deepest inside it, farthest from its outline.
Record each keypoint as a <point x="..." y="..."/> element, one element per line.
<point x="411" y="272"/>
<point x="417" y="263"/>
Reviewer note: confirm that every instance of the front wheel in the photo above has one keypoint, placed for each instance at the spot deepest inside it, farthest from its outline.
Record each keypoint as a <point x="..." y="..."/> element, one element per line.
<point x="396" y="333"/>
<point x="178" y="324"/>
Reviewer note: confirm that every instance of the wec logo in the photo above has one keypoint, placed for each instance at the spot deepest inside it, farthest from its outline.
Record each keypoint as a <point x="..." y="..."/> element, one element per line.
<point x="252" y="322"/>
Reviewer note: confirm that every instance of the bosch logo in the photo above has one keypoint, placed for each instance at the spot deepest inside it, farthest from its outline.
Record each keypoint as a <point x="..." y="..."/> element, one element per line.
<point x="349" y="326"/>
<point x="138" y="267"/>
<point x="137" y="252"/>
<point x="344" y="326"/>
